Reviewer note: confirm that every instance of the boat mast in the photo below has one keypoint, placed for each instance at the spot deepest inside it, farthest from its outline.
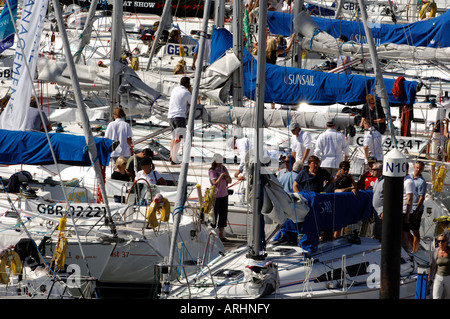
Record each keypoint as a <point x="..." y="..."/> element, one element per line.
<point x="380" y="87"/>
<point x="86" y="34"/>
<point x="116" y="52"/>
<point x="257" y="199"/>
<point x="297" y="47"/>
<point x="181" y="198"/>
<point x="219" y="13"/>
<point x="92" y="148"/>
<point x="238" y="75"/>
<point x="165" y="14"/>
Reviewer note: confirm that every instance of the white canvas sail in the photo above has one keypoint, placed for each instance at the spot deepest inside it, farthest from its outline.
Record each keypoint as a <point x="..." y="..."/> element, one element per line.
<point x="15" y="114"/>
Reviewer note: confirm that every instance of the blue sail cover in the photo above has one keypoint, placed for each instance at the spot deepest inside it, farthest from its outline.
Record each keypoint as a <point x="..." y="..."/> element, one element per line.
<point x="328" y="212"/>
<point x="19" y="147"/>
<point x="288" y="85"/>
<point x="431" y="33"/>
<point x="7" y="25"/>
<point x="332" y="211"/>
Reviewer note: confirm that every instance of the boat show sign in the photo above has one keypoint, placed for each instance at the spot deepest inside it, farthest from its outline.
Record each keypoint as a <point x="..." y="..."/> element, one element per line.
<point x="181" y="8"/>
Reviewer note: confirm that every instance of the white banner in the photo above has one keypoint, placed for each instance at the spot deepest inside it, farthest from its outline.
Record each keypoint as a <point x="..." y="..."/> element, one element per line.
<point x="14" y="116"/>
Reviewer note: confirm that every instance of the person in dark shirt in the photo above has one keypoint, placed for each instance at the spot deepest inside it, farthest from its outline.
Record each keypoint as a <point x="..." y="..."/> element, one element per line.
<point x="120" y="174"/>
<point x="343" y="181"/>
<point x="375" y="113"/>
<point x="174" y="36"/>
<point x="315" y="179"/>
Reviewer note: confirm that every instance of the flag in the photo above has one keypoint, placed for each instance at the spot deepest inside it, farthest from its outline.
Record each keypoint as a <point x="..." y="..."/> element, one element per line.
<point x="15" y="113"/>
<point x="246" y="30"/>
<point x="6" y="24"/>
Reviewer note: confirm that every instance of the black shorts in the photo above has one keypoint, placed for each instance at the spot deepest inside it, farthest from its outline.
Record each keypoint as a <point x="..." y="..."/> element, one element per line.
<point x="177" y="122"/>
<point x="414" y="223"/>
<point x="178" y="127"/>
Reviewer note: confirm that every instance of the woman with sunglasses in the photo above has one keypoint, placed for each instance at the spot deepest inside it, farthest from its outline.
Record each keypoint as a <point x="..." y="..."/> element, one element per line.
<point x="440" y="269"/>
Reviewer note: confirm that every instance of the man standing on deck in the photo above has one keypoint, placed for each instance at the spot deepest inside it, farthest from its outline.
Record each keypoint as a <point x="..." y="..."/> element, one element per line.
<point x="419" y="198"/>
<point x="206" y="52"/>
<point x="242" y="145"/>
<point x="119" y="130"/>
<point x="342" y="59"/>
<point x="373" y="142"/>
<point x="408" y="197"/>
<point x="332" y="148"/>
<point x="180" y="98"/>
<point x="378" y="198"/>
<point x="375" y="113"/>
<point x="301" y="143"/>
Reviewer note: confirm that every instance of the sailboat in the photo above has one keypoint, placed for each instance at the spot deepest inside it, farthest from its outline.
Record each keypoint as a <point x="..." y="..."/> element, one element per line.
<point x="347" y="267"/>
<point x="112" y="245"/>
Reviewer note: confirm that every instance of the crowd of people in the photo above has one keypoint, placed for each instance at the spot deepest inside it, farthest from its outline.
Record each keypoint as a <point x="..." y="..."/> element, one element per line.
<point x="323" y="167"/>
<point x="128" y="165"/>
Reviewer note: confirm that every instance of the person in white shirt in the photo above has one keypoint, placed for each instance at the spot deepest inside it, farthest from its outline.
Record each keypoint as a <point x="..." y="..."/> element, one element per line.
<point x="373" y="142"/>
<point x="301" y="143"/>
<point x="332" y="148"/>
<point x="119" y="130"/>
<point x="149" y="174"/>
<point x="180" y="98"/>
<point x="206" y="52"/>
<point x="409" y="189"/>
<point x="242" y="145"/>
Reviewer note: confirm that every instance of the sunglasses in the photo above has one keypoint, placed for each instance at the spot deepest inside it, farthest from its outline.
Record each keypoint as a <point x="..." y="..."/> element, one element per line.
<point x="441" y="241"/>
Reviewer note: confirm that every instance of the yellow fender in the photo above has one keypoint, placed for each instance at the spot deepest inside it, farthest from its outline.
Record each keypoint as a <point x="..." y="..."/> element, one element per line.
<point x="165" y="214"/>
<point x="135" y="63"/>
<point x="60" y="252"/>
<point x="442" y="223"/>
<point x="432" y="7"/>
<point x="439" y="181"/>
<point x="208" y="200"/>
<point x="15" y="265"/>
<point x="151" y="214"/>
<point x="447" y="151"/>
<point x="182" y="53"/>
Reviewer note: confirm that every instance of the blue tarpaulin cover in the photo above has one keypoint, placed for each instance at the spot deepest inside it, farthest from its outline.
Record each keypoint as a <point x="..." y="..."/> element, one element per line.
<point x="332" y="211"/>
<point x="431" y="33"/>
<point x="288" y="85"/>
<point x="26" y="147"/>
<point x="328" y="212"/>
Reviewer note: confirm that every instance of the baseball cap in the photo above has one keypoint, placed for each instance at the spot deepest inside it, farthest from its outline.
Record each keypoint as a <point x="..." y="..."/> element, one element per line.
<point x="371" y="159"/>
<point x="218" y="158"/>
<point x="293" y="126"/>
